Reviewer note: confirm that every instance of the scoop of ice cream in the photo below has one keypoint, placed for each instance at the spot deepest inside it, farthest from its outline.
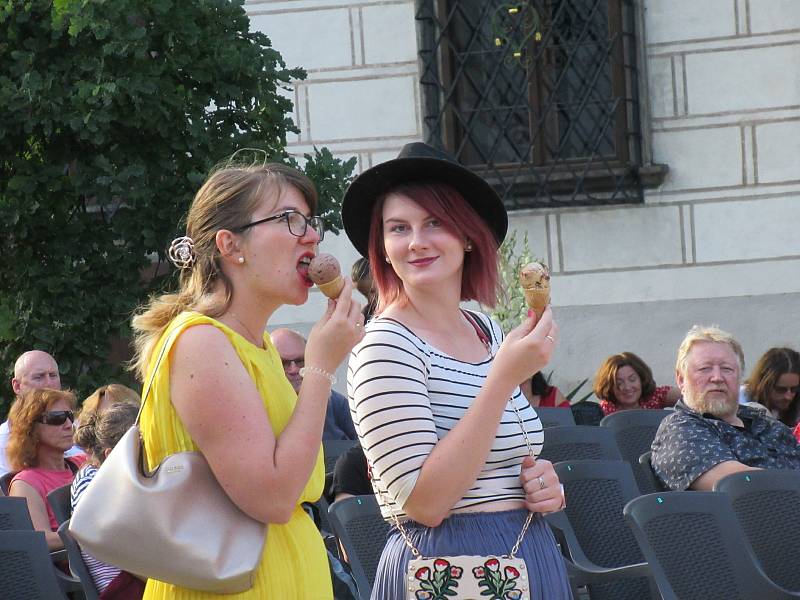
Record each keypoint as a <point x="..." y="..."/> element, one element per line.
<point x="324" y="268"/>
<point x="534" y="275"/>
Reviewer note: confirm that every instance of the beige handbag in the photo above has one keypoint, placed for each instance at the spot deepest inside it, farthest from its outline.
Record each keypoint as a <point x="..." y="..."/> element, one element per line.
<point x="175" y="524"/>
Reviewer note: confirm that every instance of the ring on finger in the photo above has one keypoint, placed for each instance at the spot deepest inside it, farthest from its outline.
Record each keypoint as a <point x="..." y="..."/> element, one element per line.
<point x="550" y="337"/>
<point x="541" y="483"/>
<point x="358" y="325"/>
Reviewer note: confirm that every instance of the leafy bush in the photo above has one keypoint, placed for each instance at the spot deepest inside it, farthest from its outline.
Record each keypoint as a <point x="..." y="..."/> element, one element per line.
<point x="113" y="112"/>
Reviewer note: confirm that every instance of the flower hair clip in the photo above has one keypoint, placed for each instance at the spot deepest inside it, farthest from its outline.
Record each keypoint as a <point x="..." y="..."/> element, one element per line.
<point x="181" y="252"/>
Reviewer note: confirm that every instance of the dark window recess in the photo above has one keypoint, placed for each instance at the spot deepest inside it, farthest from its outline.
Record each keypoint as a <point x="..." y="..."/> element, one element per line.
<point x="540" y="98"/>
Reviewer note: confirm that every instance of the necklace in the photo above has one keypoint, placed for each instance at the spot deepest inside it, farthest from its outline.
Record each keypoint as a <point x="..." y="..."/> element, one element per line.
<point x="260" y="342"/>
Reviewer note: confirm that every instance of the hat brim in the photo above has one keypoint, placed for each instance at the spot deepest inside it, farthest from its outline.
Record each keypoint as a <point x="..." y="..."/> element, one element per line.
<point x="364" y="191"/>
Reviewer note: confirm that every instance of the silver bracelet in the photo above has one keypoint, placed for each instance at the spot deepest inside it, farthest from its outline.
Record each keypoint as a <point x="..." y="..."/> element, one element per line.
<point x="329" y="376"/>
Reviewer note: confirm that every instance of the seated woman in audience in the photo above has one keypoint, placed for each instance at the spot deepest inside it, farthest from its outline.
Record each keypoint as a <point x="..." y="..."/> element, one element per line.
<point x="542" y="394"/>
<point x="775" y="382"/>
<point x="42" y="433"/>
<point x="99" y="433"/>
<point x="103" y="397"/>
<point x="625" y="381"/>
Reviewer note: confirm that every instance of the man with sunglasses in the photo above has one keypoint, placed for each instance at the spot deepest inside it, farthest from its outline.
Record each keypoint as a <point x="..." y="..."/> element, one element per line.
<point x="291" y="347"/>
<point x="32" y="370"/>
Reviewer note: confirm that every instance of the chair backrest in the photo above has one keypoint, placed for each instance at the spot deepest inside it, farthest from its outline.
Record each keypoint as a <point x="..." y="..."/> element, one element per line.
<point x="767" y="504"/>
<point x="76" y="564"/>
<point x="555" y="417"/>
<point x="646" y="477"/>
<point x="579" y="442"/>
<point x="634" y="430"/>
<point x="14" y="515"/>
<point x="5" y="482"/>
<point x="59" y="500"/>
<point x="358" y="524"/>
<point x="332" y="449"/>
<point x="26" y="571"/>
<point x="696" y="548"/>
<point x="596" y="493"/>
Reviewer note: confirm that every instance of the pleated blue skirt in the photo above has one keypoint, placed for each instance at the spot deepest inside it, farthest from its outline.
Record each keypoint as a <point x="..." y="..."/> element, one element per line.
<point x="477" y="533"/>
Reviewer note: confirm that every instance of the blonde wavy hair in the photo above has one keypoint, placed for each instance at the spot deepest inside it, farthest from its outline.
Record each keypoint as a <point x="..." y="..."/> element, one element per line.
<point x="227" y="200"/>
<point x="114" y="392"/>
<point x="23" y="441"/>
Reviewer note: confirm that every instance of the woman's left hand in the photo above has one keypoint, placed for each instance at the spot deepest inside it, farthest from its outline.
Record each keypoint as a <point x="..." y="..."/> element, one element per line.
<point x="542" y="487"/>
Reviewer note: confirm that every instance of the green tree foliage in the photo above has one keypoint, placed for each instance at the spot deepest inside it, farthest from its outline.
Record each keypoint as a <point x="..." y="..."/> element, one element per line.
<point x="511" y="306"/>
<point x="111" y="114"/>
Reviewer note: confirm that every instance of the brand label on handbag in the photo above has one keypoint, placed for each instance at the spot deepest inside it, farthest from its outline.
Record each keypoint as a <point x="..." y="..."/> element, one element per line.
<point x="467" y="578"/>
<point x="174" y="468"/>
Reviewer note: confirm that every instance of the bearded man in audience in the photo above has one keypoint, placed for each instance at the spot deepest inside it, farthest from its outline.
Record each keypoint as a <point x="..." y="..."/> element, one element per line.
<point x="710" y="435"/>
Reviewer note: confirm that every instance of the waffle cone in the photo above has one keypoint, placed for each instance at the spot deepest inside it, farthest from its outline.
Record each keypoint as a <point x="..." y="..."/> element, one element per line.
<point x="537" y="299"/>
<point x="333" y="288"/>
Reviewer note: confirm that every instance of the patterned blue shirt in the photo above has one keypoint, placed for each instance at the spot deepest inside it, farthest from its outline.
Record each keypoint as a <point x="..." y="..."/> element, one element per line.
<point x="689" y="443"/>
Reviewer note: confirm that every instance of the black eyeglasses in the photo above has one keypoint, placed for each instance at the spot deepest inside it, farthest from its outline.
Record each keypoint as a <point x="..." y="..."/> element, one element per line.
<point x="296" y="221"/>
<point x="56" y="417"/>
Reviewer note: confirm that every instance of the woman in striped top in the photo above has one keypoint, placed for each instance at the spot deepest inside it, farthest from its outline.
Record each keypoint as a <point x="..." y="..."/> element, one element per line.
<point x="434" y="388"/>
<point x="98" y="434"/>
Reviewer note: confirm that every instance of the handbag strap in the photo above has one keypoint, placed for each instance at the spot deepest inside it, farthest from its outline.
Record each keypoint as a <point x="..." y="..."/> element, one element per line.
<point x="481" y="330"/>
<point x="164" y="348"/>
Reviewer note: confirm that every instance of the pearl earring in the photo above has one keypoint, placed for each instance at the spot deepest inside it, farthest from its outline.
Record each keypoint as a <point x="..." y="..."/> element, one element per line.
<point x="468" y="247"/>
<point x="241" y="260"/>
<point x="387" y="260"/>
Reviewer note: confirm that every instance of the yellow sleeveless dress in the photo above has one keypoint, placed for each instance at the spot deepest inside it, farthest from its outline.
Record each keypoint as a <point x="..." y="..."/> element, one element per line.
<point x="294" y="564"/>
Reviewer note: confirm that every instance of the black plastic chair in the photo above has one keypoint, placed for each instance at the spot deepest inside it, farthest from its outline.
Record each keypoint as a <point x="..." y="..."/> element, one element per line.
<point x="59" y="500"/>
<point x="579" y="442"/>
<point x="5" y="482"/>
<point x="697" y="549"/>
<point x="77" y="566"/>
<point x="601" y="551"/>
<point x="634" y="431"/>
<point x="332" y="449"/>
<point x="358" y="524"/>
<point x="555" y="417"/>
<point x="26" y="572"/>
<point x="14" y="515"/>
<point x="767" y="504"/>
<point x="647" y="478"/>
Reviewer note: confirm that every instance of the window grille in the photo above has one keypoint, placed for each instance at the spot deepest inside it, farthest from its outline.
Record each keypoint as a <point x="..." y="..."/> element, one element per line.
<point x="538" y="97"/>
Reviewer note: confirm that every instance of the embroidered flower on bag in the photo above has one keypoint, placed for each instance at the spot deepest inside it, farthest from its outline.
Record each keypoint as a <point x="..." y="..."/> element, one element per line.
<point x="439" y="584"/>
<point x="499" y="586"/>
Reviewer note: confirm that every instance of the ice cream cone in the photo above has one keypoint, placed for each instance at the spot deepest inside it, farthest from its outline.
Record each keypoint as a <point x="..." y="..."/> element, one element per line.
<point x="537" y="299"/>
<point x="333" y="288"/>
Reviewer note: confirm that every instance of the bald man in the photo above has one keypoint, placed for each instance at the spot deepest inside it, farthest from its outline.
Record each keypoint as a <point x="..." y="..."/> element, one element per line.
<point x="291" y="347"/>
<point x="33" y="370"/>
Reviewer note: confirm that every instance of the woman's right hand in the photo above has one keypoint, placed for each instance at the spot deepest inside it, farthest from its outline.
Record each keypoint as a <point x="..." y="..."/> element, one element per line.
<point x="526" y="349"/>
<point x="337" y="331"/>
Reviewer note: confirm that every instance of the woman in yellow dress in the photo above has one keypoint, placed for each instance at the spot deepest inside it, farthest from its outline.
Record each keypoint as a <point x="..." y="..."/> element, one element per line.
<point x="221" y="389"/>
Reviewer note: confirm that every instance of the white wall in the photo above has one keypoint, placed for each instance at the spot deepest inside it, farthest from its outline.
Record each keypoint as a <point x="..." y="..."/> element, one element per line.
<point x="719" y="241"/>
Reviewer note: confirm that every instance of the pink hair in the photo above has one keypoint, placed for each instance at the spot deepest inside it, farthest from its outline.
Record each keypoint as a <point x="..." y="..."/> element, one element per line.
<point x="479" y="280"/>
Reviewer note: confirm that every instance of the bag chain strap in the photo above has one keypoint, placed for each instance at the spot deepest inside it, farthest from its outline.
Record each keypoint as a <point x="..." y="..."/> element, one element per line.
<point x="528" y="519"/>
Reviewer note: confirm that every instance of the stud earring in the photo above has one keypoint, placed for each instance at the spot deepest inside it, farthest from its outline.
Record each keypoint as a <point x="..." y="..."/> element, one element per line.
<point x="241" y="260"/>
<point x="468" y="247"/>
<point x="387" y="260"/>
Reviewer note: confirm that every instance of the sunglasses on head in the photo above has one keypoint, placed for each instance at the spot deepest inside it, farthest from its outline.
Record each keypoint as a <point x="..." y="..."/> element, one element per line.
<point x="56" y="417"/>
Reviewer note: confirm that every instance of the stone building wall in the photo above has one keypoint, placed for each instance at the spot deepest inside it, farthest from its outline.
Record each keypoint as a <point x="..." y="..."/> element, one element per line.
<point x="718" y="242"/>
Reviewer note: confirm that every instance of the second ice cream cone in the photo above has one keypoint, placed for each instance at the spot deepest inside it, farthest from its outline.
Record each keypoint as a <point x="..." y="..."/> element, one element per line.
<point x="537" y="300"/>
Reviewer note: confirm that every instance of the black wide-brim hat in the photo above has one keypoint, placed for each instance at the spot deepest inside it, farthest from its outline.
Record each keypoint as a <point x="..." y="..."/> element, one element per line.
<point x="417" y="162"/>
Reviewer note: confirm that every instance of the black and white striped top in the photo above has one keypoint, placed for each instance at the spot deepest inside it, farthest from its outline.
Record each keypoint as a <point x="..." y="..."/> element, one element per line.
<point x="405" y="395"/>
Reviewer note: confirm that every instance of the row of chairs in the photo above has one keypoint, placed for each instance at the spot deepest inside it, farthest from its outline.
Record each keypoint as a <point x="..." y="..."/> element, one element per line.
<point x="738" y="542"/>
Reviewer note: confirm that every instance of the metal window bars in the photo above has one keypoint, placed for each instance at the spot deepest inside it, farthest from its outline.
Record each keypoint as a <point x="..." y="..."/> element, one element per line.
<point x="539" y="97"/>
